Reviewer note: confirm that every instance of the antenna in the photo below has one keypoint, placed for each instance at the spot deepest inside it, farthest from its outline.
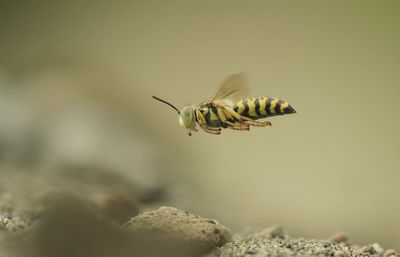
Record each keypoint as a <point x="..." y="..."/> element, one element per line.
<point x="163" y="101"/>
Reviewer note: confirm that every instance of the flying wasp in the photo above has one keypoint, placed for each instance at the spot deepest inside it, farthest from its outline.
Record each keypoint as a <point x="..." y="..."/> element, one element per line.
<point x="229" y="108"/>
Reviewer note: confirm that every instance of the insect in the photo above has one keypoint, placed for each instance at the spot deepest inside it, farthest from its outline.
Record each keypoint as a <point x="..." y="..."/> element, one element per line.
<point x="229" y="108"/>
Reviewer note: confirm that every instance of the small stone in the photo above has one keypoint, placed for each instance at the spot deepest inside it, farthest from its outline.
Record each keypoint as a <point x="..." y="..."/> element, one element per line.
<point x="3" y="222"/>
<point x="378" y="249"/>
<point x="270" y="233"/>
<point x="15" y="225"/>
<point x="339" y="237"/>
<point x="368" y="249"/>
<point x="327" y="244"/>
<point x="390" y="252"/>
<point x="251" y="252"/>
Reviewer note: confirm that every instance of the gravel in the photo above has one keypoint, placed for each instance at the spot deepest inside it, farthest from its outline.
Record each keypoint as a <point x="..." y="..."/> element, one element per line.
<point x="275" y="242"/>
<point x="76" y="228"/>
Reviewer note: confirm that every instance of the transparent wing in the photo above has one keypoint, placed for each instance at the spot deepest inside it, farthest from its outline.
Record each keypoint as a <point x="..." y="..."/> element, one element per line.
<point x="233" y="88"/>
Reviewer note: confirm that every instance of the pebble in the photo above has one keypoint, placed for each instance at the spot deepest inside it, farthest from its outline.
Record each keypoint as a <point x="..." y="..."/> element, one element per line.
<point x="339" y="237"/>
<point x="378" y="249"/>
<point x="13" y="225"/>
<point x="390" y="252"/>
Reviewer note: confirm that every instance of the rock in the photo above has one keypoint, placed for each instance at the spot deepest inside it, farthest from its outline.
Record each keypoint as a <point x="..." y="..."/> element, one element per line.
<point x="378" y="249"/>
<point x="339" y="237"/>
<point x="182" y="225"/>
<point x="3" y="221"/>
<point x="267" y="233"/>
<point x="390" y="252"/>
<point x="14" y="225"/>
<point x="368" y="249"/>
<point x="274" y="232"/>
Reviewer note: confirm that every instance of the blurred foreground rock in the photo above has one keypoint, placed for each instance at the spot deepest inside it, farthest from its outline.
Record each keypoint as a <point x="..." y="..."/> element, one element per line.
<point x="71" y="226"/>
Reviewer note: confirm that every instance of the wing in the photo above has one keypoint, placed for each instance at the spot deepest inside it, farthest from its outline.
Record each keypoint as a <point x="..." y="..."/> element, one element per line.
<point x="233" y="88"/>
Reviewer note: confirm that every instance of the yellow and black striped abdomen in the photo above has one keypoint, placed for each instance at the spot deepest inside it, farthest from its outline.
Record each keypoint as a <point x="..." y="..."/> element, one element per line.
<point x="261" y="107"/>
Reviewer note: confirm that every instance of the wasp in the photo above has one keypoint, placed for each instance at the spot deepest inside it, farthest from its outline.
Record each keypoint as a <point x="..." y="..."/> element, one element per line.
<point x="229" y="108"/>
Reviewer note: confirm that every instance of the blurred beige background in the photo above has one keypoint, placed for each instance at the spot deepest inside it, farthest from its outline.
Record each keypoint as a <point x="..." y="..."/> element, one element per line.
<point x="82" y="74"/>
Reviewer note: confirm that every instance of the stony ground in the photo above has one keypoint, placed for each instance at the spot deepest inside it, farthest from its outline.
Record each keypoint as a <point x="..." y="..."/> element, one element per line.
<point x="72" y="229"/>
<point x="274" y="242"/>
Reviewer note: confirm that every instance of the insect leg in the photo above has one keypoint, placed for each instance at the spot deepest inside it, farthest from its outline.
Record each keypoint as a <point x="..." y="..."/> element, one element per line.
<point x="246" y="120"/>
<point x="200" y="117"/>
<point x="225" y="115"/>
<point x="240" y="127"/>
<point x="256" y="123"/>
<point x="211" y="128"/>
<point x="231" y="114"/>
<point x="214" y="131"/>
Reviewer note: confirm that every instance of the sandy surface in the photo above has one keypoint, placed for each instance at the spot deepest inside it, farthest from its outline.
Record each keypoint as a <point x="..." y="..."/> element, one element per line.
<point x="74" y="228"/>
<point x="275" y="242"/>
